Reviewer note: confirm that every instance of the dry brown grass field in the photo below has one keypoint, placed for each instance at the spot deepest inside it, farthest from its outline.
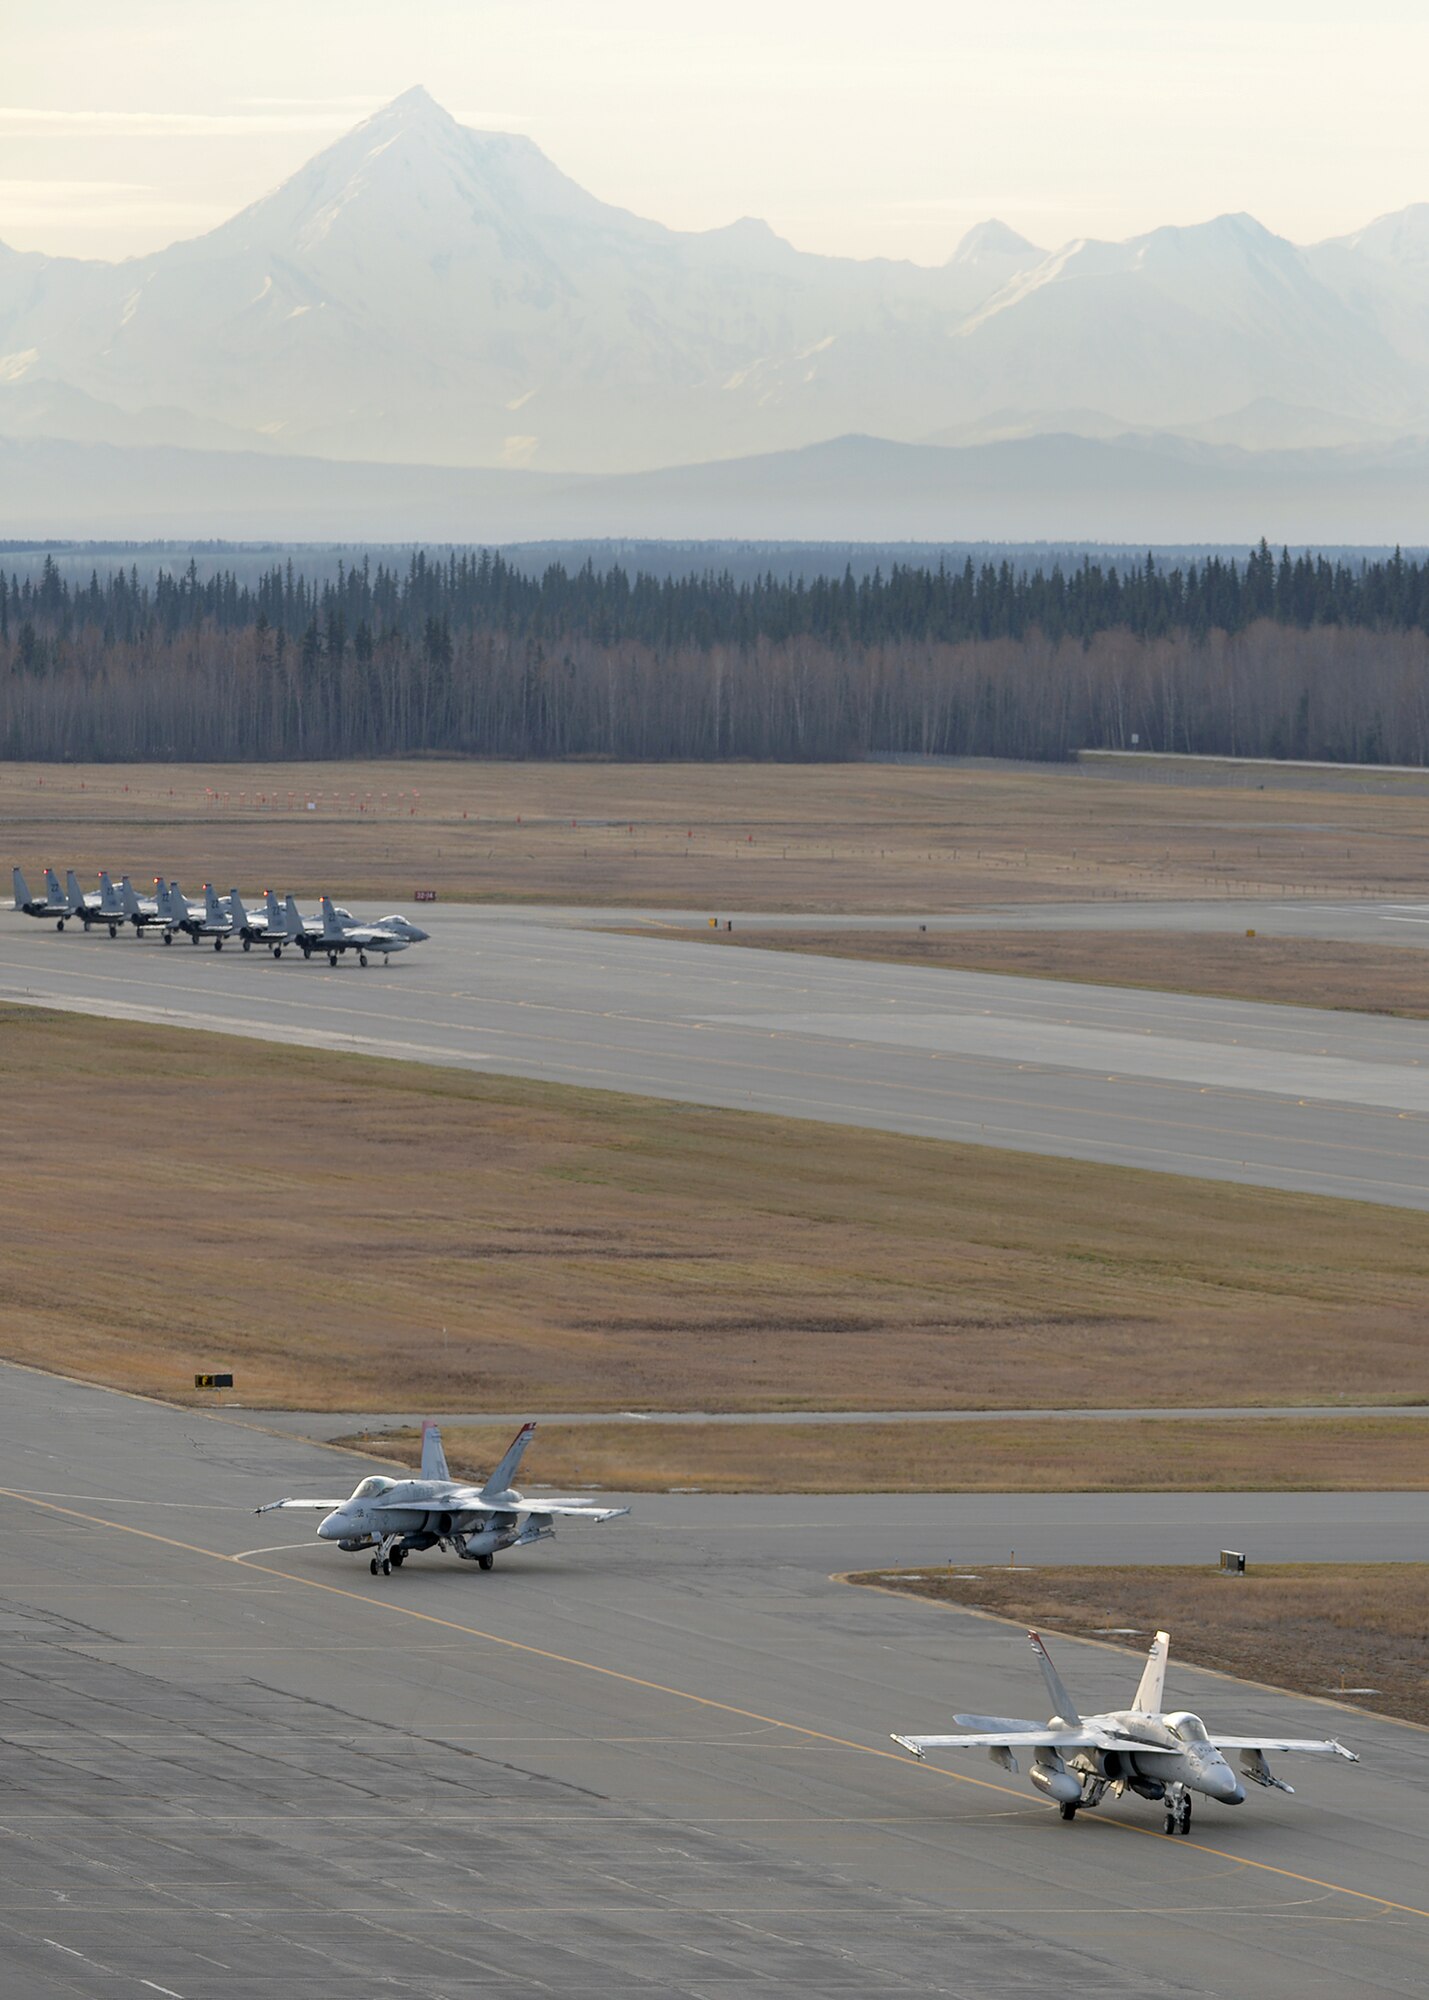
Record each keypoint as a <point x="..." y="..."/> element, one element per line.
<point x="346" y="1233"/>
<point x="1307" y="972"/>
<point x="1316" y="1628"/>
<point x="1322" y="1454"/>
<point x="708" y="836"/>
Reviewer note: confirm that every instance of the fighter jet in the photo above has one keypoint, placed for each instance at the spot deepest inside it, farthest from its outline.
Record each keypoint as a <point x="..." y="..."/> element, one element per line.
<point x="56" y="904"/>
<point x="1166" y="1758"/>
<point x="395" y="1517"/>
<point x="101" y="908"/>
<point x="146" y="913"/>
<point x="336" y="937"/>
<point x="269" y="928"/>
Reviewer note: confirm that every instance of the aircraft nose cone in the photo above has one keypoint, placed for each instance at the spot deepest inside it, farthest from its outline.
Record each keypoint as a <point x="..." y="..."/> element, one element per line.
<point x="330" y="1527"/>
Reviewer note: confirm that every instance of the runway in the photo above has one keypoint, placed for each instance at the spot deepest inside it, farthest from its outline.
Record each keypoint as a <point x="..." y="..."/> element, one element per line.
<point x="1327" y="1103"/>
<point x="651" y="1758"/>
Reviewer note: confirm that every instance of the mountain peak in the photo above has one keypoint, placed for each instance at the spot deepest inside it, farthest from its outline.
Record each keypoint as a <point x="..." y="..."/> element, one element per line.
<point x="992" y="239"/>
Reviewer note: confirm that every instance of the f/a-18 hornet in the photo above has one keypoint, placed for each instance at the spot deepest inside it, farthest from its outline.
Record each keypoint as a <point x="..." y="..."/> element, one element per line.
<point x="1077" y="1760"/>
<point x="396" y="1517"/>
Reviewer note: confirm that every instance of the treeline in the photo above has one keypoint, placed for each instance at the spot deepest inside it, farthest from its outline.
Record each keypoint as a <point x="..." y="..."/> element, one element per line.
<point x="1273" y="657"/>
<point x="480" y="591"/>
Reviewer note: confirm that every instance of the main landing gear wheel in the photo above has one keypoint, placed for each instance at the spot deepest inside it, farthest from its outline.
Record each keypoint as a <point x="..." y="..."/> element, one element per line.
<point x="218" y="944"/>
<point x="168" y="935"/>
<point x="193" y="937"/>
<point x="362" y="958"/>
<point x="114" y="930"/>
<point x="60" y="925"/>
<point x="381" y="1567"/>
<point x="332" y="958"/>
<point x="277" y="951"/>
<point x="1068" y="1808"/>
<point x="248" y="944"/>
<point x="485" y="1562"/>
<point x="399" y="1556"/>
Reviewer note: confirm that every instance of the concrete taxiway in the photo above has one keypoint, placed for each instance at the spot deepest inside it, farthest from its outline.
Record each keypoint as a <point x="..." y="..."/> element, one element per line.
<point x="650" y="1758"/>
<point x="1288" y="1097"/>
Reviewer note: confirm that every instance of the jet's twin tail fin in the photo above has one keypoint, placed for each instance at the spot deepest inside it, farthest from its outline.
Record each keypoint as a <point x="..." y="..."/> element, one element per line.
<point x="22" y="889"/>
<point x="1062" y="1703"/>
<point x="73" y="890"/>
<point x="1151" y="1692"/>
<point x="213" y="910"/>
<point x="434" y="1459"/>
<point x="500" y="1480"/>
<point x="331" y="927"/>
<point x="294" y="917"/>
<point x="237" y="910"/>
<point x="53" y="892"/>
<point x="277" y="920"/>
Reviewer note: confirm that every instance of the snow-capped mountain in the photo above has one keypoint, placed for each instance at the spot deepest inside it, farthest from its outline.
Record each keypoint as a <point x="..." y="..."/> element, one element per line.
<point x="421" y="292"/>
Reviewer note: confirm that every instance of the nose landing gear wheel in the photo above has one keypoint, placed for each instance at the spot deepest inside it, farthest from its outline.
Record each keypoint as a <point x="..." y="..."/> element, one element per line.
<point x="1178" y="1811"/>
<point x="332" y="958"/>
<point x="362" y="958"/>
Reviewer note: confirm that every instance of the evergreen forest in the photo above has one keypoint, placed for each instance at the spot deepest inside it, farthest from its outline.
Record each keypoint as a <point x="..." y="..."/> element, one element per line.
<point x="1273" y="656"/>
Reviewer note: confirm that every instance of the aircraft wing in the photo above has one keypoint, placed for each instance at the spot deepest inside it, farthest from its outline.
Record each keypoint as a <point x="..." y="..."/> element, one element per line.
<point x="1314" y="1747"/>
<point x="1044" y="1738"/>
<point x="320" y="1506"/>
<point x="469" y="1500"/>
<point x="576" y="1510"/>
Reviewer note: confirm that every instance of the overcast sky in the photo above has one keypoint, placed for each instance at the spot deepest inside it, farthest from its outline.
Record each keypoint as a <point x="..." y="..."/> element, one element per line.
<point x="857" y="129"/>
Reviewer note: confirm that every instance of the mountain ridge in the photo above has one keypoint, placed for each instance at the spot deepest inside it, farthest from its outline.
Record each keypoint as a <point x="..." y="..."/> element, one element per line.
<point x="423" y="293"/>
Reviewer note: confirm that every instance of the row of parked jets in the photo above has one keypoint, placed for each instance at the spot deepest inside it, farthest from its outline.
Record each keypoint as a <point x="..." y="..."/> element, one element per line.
<point x="1077" y="1761"/>
<point x="220" y="919"/>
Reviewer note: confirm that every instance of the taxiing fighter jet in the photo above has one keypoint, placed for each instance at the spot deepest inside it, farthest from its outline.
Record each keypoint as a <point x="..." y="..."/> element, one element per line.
<point x="339" y="932"/>
<point x="395" y="1517"/>
<point x="55" y="904"/>
<point x="1077" y="1760"/>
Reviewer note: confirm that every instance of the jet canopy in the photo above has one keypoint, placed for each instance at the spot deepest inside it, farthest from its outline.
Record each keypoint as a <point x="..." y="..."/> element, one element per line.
<point x="1189" y="1728"/>
<point x="370" y="1488"/>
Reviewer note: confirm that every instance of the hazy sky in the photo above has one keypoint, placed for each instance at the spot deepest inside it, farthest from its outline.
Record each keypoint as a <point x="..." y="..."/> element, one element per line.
<point x="851" y="128"/>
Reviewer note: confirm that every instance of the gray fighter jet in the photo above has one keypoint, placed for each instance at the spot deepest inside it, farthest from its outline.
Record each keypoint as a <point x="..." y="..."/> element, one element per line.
<point x="1076" y="1761"/>
<point x="55" y="904"/>
<point x="101" y="908"/>
<point x="396" y="1517"/>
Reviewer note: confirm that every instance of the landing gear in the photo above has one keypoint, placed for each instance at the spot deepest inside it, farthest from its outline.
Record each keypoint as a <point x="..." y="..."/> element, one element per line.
<point x="387" y="1553"/>
<point x="60" y="925"/>
<point x="332" y="958"/>
<point x="1068" y="1808"/>
<point x="218" y="944"/>
<point x="485" y="1562"/>
<point x="307" y="949"/>
<point x="362" y="958"/>
<point x="168" y="935"/>
<point x="1178" y="1810"/>
<point x="193" y="937"/>
<point x="248" y="944"/>
<point x="277" y="951"/>
<point x="114" y="930"/>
